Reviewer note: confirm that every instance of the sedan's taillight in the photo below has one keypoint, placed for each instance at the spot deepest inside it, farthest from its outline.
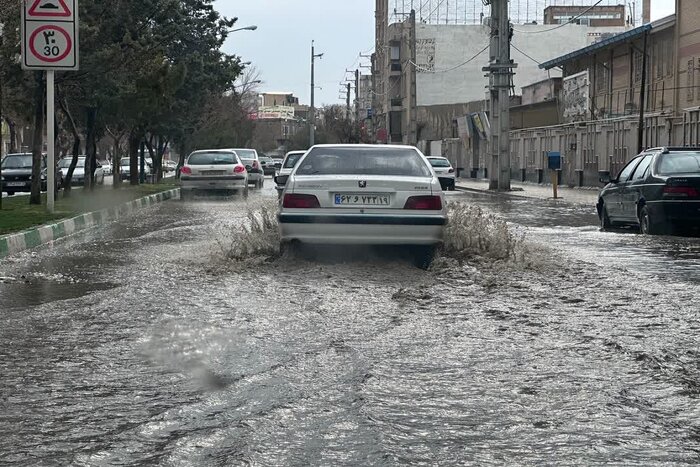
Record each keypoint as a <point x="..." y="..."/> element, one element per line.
<point x="681" y="192"/>
<point x="424" y="203"/>
<point x="186" y="170"/>
<point x="255" y="164"/>
<point x="239" y="169"/>
<point x="293" y="201"/>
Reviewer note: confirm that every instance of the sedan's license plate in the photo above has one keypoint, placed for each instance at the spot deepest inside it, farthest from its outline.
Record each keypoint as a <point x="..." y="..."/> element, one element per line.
<point x="361" y="200"/>
<point x="213" y="172"/>
<point x="14" y="183"/>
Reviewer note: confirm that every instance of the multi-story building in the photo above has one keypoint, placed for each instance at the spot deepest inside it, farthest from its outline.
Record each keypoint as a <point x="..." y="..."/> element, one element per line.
<point x="597" y="16"/>
<point x="420" y="68"/>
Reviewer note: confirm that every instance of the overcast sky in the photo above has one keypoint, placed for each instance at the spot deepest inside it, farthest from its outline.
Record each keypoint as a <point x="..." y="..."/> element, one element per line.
<point x="281" y="47"/>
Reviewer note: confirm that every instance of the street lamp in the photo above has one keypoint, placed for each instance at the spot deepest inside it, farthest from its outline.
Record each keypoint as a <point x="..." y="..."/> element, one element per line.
<point x="312" y="110"/>
<point x="247" y="28"/>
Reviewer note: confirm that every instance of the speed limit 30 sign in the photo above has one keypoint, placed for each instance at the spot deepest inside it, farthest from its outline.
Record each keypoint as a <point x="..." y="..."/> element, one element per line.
<point x="50" y="35"/>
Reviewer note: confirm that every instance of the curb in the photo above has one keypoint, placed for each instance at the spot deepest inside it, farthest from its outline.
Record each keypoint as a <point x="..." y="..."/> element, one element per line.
<point x="14" y="243"/>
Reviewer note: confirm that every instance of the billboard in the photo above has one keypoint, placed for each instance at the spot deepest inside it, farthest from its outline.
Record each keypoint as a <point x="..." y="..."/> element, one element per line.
<point x="575" y="91"/>
<point x="276" y="112"/>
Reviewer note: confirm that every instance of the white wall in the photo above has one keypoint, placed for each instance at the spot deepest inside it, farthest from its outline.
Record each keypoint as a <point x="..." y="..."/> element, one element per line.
<point x="454" y="44"/>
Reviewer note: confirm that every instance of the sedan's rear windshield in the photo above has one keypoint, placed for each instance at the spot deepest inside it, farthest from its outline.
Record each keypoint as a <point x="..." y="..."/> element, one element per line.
<point x="679" y="163"/>
<point x="212" y="158"/>
<point x="292" y="160"/>
<point x="17" y="162"/>
<point x="246" y="154"/>
<point x="364" y="161"/>
<point x="439" y="162"/>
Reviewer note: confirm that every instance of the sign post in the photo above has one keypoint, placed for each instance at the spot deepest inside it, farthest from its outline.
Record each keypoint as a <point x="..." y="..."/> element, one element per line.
<point x="50" y="43"/>
<point x="554" y="163"/>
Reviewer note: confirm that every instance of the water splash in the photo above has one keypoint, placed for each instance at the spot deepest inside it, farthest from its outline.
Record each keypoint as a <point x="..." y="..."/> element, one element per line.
<point x="258" y="236"/>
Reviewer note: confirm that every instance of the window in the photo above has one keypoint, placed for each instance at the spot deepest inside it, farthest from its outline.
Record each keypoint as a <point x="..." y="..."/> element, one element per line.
<point x="439" y="162"/>
<point x="65" y="162"/>
<point x="212" y="158"/>
<point x="292" y="160"/>
<point x="364" y="161"/>
<point x="17" y="162"/>
<point x="690" y="79"/>
<point x="642" y="169"/>
<point x="627" y="171"/>
<point x="679" y="163"/>
<point x="638" y="61"/>
<point x="603" y="77"/>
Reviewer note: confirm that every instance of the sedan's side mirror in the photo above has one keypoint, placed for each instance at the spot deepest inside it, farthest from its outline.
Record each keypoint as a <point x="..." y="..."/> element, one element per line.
<point x="281" y="180"/>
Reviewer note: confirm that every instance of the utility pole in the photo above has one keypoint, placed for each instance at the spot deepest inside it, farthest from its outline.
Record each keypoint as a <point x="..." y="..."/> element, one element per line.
<point x="642" y="98"/>
<point x="312" y="110"/>
<point x="500" y="71"/>
<point x="347" y="103"/>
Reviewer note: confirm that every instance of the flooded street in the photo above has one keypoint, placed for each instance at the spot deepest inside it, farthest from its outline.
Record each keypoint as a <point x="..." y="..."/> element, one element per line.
<point x="139" y="342"/>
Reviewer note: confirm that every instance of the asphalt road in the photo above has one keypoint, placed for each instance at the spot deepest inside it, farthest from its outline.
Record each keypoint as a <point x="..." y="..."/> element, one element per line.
<point x="141" y="342"/>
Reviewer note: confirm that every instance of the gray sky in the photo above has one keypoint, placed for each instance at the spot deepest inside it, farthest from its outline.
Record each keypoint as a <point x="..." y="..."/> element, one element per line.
<point x="281" y="47"/>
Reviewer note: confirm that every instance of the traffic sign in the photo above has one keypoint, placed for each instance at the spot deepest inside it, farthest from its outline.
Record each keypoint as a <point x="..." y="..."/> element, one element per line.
<point x="50" y="35"/>
<point x="50" y="9"/>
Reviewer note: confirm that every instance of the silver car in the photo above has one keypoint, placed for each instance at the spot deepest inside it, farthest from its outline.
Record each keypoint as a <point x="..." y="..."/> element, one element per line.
<point x="79" y="172"/>
<point x="250" y="159"/>
<point x="364" y="194"/>
<point x="444" y="170"/>
<point x="290" y="161"/>
<point x="218" y="170"/>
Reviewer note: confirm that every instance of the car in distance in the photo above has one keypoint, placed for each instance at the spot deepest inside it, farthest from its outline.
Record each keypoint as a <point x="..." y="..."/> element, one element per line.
<point x="249" y="158"/>
<point x="288" y="164"/>
<point x="213" y="170"/>
<point x="17" y="174"/>
<point x="106" y="167"/>
<point x="444" y="171"/>
<point x="658" y="192"/>
<point x="79" y="171"/>
<point x="268" y="165"/>
<point x="364" y="194"/>
<point x="125" y="167"/>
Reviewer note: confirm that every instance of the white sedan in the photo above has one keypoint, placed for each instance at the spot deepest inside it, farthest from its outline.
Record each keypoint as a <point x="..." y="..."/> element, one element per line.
<point x="364" y="194"/>
<point x="213" y="170"/>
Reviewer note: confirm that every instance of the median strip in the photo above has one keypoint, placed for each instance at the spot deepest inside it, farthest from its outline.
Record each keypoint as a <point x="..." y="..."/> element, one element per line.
<point x="34" y="237"/>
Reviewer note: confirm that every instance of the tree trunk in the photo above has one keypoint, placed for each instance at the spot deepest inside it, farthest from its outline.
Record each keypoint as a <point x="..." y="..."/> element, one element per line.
<point x="91" y="148"/>
<point x="116" y="162"/>
<point x="13" y="134"/>
<point x="38" y="141"/>
<point x="76" y="146"/>
<point x="134" y="144"/>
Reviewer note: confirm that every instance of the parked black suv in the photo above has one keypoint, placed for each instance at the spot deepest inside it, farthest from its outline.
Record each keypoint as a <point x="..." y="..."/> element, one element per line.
<point x="17" y="174"/>
<point x="658" y="191"/>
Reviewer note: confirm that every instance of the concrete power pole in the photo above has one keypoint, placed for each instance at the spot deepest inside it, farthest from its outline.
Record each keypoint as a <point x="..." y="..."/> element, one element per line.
<point x="500" y="73"/>
<point x="347" y="103"/>
<point x="312" y="110"/>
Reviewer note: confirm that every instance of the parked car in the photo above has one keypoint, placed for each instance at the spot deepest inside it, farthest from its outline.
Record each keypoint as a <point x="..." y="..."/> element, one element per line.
<point x="268" y="165"/>
<point x="250" y="159"/>
<point x="658" y="191"/>
<point x="364" y="194"/>
<point x="278" y="162"/>
<point x="444" y="171"/>
<point x="169" y="166"/>
<point x="17" y="174"/>
<point x="106" y="167"/>
<point x="79" y="172"/>
<point x="290" y="161"/>
<point x="218" y="170"/>
<point x="125" y="167"/>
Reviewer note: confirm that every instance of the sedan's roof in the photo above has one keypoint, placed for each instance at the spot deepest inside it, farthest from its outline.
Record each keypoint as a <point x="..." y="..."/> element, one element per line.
<point x="366" y="146"/>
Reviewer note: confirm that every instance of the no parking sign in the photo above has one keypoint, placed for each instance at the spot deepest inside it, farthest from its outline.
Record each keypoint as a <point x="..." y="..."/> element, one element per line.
<point x="50" y="35"/>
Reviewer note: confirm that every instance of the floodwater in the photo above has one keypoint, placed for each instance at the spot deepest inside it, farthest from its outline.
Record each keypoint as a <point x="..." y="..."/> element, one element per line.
<point x="139" y="342"/>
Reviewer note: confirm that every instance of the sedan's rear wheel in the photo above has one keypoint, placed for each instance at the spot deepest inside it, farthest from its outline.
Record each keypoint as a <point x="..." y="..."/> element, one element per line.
<point x="605" y="223"/>
<point x="647" y="226"/>
<point x="423" y="256"/>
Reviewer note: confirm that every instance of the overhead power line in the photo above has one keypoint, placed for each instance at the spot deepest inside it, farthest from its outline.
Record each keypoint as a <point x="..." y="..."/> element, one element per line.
<point x="418" y="67"/>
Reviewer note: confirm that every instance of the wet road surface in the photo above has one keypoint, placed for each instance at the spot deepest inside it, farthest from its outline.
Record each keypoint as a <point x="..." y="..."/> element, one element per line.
<point x="138" y="342"/>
